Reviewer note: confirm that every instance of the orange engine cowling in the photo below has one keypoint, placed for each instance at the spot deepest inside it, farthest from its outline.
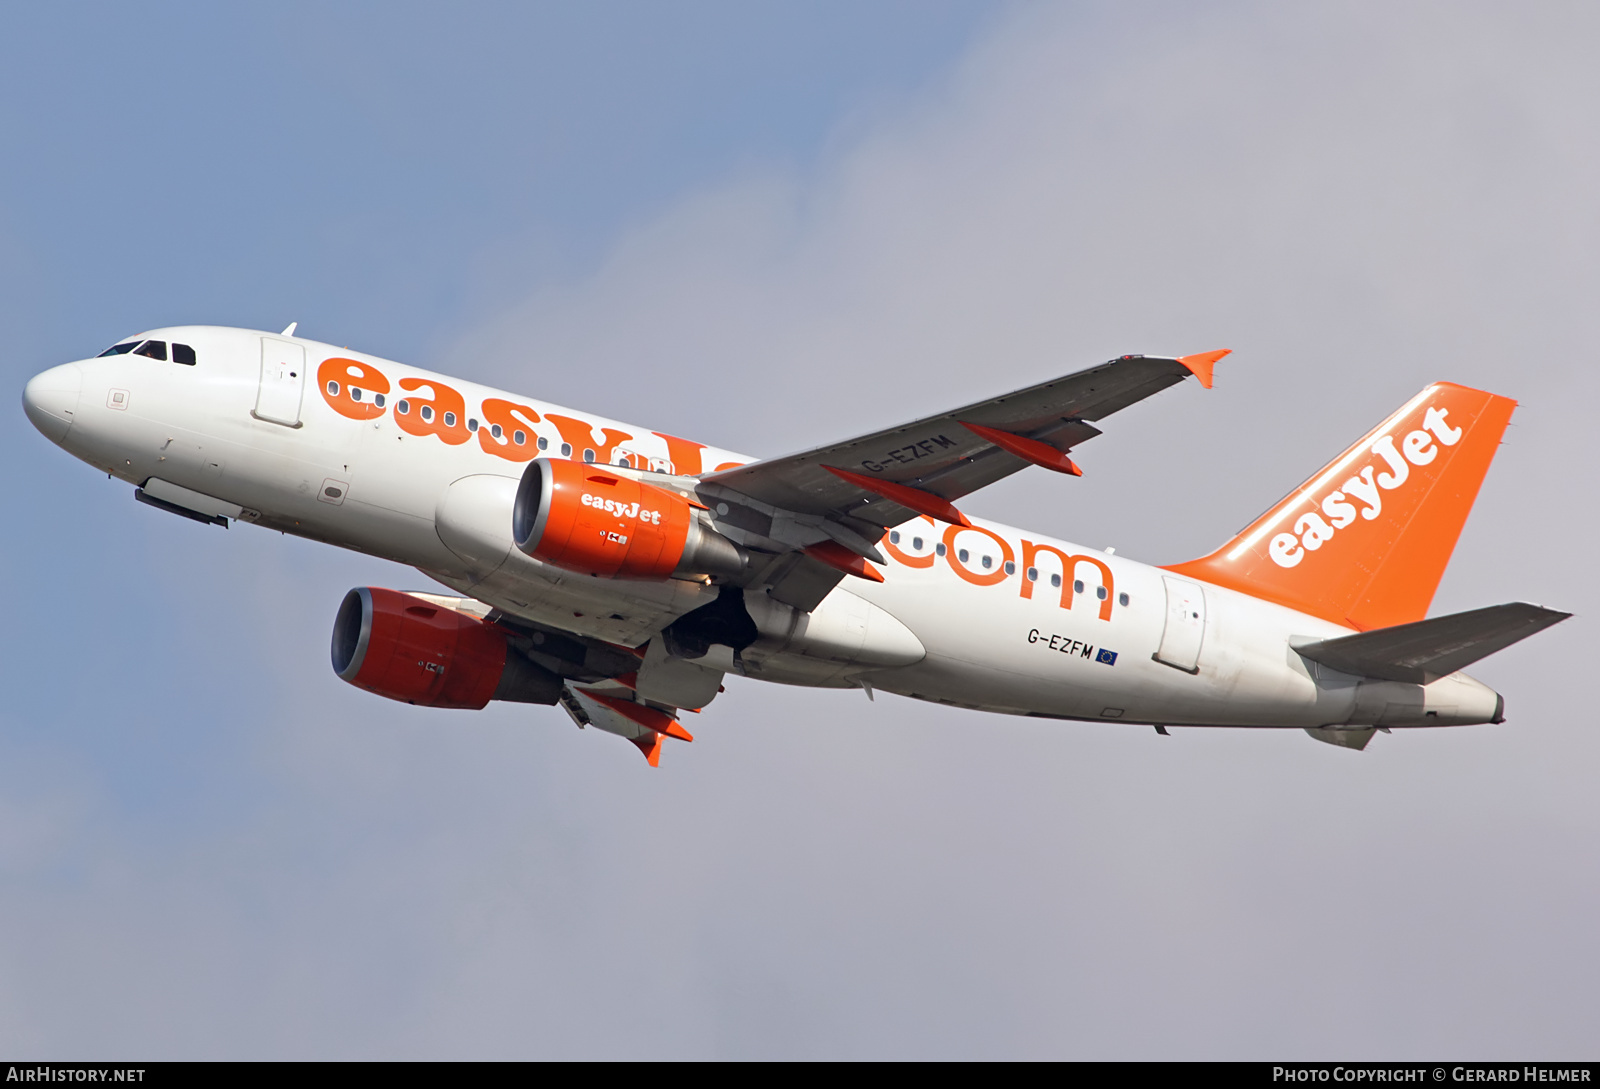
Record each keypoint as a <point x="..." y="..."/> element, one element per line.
<point x="408" y="648"/>
<point x="587" y="518"/>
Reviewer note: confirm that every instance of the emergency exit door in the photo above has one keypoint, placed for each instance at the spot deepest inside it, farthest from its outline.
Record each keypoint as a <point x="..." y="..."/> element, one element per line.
<point x="1186" y="625"/>
<point x="283" y="381"/>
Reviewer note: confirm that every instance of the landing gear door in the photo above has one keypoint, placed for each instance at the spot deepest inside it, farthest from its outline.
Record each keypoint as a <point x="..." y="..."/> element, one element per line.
<point x="1186" y="625"/>
<point x="283" y="381"/>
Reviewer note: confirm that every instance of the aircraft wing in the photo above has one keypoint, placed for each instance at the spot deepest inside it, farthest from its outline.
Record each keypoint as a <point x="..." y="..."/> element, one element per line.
<point x="844" y="495"/>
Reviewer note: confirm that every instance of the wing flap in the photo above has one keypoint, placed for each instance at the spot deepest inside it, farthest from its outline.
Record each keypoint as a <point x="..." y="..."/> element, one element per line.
<point x="802" y="582"/>
<point x="1425" y="650"/>
<point x="639" y="723"/>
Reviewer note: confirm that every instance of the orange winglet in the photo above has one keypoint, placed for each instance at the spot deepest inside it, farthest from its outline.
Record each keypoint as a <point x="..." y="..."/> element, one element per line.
<point x="1203" y="363"/>
<point x="648" y="717"/>
<point x="650" y="745"/>
<point x="840" y="558"/>
<point x="1040" y="453"/>
<point x="911" y="498"/>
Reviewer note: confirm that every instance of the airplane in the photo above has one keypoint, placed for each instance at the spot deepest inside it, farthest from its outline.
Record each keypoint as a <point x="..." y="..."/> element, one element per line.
<point x="623" y="573"/>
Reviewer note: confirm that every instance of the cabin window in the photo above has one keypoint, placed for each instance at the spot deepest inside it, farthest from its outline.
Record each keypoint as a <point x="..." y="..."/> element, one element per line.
<point x="916" y="543"/>
<point x="588" y="456"/>
<point x="1077" y="586"/>
<point x="988" y="562"/>
<point x="519" y="437"/>
<point x="1055" y="580"/>
<point x="495" y="431"/>
<point x="333" y="390"/>
<point x="154" y="349"/>
<point x="1122" y="599"/>
<point x="894" y="536"/>
<point x="939" y="548"/>
<point x="544" y="443"/>
<point x="962" y="555"/>
<point x="401" y="406"/>
<point x="182" y="353"/>
<point x="472" y="424"/>
<point x="566" y="449"/>
<point x="119" y="349"/>
<point x="1100" y="592"/>
<point x="426" y="412"/>
<point x="449" y="419"/>
<point x="377" y="398"/>
<point x="1033" y="574"/>
<point x="1011" y="568"/>
<point x="355" y="394"/>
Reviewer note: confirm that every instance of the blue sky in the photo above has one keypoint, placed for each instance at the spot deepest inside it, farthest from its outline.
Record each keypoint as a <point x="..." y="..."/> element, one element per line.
<point x="765" y="226"/>
<point x="397" y="167"/>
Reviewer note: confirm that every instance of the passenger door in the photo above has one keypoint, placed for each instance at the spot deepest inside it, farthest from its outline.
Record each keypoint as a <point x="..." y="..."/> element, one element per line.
<point x="283" y="382"/>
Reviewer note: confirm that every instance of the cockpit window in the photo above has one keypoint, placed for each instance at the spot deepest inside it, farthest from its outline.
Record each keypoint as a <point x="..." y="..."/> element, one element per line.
<point x="155" y="349"/>
<point x="182" y="353"/>
<point x="119" y="349"/>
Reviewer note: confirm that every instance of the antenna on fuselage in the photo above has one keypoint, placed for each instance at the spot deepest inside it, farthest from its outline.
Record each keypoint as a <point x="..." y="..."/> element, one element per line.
<point x="289" y="332"/>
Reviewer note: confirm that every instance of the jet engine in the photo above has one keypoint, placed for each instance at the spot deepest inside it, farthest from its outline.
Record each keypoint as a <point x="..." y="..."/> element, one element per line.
<point x="411" y="649"/>
<point x="589" y="519"/>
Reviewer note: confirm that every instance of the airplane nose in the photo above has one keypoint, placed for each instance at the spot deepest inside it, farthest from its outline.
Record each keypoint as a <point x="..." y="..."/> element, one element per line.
<point x="51" y="398"/>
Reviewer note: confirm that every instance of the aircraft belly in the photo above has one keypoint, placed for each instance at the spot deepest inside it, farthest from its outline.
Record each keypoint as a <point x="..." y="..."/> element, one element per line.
<point x="991" y="648"/>
<point x="321" y="494"/>
<point x="843" y="638"/>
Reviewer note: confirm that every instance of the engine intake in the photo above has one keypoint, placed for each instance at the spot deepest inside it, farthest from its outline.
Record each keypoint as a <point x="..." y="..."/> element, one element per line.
<point x="413" y="650"/>
<point x="588" y="519"/>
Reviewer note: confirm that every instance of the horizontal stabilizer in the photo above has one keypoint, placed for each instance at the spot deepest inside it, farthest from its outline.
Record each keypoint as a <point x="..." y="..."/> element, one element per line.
<point x="1425" y="650"/>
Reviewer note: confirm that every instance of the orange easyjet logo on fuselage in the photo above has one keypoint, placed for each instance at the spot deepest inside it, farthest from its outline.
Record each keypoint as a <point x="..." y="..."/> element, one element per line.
<point x="989" y="569"/>
<point x="506" y="429"/>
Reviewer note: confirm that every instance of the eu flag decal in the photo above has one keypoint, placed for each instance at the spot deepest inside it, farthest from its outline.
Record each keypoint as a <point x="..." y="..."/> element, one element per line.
<point x="1106" y="657"/>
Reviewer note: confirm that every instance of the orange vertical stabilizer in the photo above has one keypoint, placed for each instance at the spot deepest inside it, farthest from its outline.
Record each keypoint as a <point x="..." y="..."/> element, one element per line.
<point x="1366" y="541"/>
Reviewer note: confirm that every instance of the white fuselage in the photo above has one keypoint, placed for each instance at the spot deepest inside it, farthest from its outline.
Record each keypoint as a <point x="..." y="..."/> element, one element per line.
<point x="957" y="620"/>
